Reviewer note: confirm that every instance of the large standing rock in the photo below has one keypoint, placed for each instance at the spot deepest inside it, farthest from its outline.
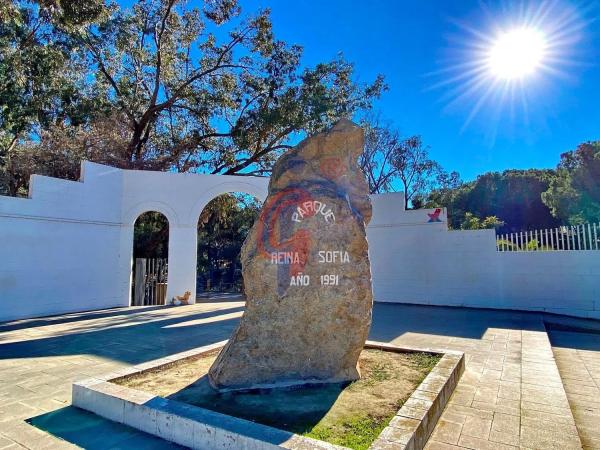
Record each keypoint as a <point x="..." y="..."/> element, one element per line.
<point x="306" y="271"/>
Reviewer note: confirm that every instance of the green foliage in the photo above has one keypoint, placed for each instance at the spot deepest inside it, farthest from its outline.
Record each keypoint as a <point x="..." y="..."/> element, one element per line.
<point x="357" y="433"/>
<point x="425" y="362"/>
<point x="194" y="103"/>
<point x="574" y="194"/>
<point x="73" y="13"/>
<point x="513" y="196"/>
<point x="472" y="222"/>
<point x="222" y="229"/>
<point x="42" y="84"/>
<point x="151" y="236"/>
<point x="183" y="94"/>
<point x="506" y="244"/>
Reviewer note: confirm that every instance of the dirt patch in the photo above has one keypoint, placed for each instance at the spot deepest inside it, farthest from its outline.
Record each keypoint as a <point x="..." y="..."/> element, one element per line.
<point x="351" y="415"/>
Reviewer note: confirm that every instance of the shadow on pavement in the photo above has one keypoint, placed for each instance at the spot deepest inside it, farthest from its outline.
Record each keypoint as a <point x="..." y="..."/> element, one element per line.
<point x="92" y="432"/>
<point x="392" y="320"/>
<point x="132" y="340"/>
<point x="74" y="317"/>
<point x="575" y="340"/>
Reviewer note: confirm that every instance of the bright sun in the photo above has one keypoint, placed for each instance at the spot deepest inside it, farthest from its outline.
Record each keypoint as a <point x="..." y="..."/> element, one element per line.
<point x="516" y="53"/>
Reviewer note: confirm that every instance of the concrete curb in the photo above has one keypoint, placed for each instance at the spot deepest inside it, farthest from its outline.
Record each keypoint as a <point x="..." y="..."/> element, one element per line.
<point x="199" y="428"/>
<point x="415" y="421"/>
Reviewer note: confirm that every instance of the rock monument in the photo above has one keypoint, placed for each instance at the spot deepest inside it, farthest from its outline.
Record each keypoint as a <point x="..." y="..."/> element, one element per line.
<point x="306" y="272"/>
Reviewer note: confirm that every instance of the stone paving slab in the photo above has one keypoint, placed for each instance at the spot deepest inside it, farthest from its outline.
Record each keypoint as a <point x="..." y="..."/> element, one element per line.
<point x="510" y="376"/>
<point x="510" y="395"/>
<point x="578" y="360"/>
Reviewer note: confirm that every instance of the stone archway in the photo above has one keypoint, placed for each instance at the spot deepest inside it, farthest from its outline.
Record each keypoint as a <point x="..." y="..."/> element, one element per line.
<point x="84" y="231"/>
<point x="181" y="198"/>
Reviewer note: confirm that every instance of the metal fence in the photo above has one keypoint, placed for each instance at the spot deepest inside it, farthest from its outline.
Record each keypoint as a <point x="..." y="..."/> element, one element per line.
<point x="578" y="237"/>
<point x="150" y="281"/>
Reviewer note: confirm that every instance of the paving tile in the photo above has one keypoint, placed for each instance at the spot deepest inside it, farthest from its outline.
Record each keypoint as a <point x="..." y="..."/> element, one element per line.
<point x="510" y="367"/>
<point x="548" y="417"/>
<point x="533" y="406"/>
<point x="482" y="444"/>
<point x="559" y="427"/>
<point x="447" y="432"/>
<point x="5" y="442"/>
<point x="548" y="439"/>
<point x="434" y="445"/>
<point x="477" y="427"/>
<point x="504" y="438"/>
<point x="578" y="369"/>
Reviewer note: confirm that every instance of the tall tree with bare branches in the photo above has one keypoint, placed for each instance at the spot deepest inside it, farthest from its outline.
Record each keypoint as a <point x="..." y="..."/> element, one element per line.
<point x="196" y="97"/>
<point x="188" y="89"/>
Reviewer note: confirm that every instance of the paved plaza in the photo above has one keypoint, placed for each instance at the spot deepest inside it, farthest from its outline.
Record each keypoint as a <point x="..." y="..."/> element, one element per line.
<point x="523" y="387"/>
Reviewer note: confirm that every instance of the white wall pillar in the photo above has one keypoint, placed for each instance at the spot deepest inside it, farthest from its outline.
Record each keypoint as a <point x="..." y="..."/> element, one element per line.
<point x="125" y="276"/>
<point x="182" y="261"/>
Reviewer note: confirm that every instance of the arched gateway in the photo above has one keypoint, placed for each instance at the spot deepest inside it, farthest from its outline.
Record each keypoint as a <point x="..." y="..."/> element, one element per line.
<point x="80" y="235"/>
<point x="68" y="247"/>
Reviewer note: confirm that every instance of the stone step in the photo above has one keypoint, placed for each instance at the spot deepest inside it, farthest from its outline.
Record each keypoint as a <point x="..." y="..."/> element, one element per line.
<point x="546" y="419"/>
<point x="579" y="368"/>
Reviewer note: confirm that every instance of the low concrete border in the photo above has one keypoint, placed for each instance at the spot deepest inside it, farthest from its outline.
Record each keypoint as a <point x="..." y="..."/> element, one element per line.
<point x="415" y="421"/>
<point x="196" y="427"/>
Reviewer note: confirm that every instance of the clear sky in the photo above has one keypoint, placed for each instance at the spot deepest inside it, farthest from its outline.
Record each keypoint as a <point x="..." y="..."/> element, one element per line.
<point x="421" y="45"/>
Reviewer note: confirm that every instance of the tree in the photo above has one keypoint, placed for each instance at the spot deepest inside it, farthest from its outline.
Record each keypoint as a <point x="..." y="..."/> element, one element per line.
<point x="417" y="173"/>
<point x="381" y="144"/>
<point x="222" y="229"/>
<point x="573" y="195"/>
<point x="40" y="80"/>
<point x="513" y="196"/>
<point x="472" y="222"/>
<point x="183" y="93"/>
<point x="191" y="102"/>
<point x="389" y="160"/>
<point x="151" y="236"/>
<point x="60" y="150"/>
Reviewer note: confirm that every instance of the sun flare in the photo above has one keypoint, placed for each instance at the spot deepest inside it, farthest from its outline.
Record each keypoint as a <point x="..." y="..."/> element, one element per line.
<point x="502" y="59"/>
<point x="517" y="53"/>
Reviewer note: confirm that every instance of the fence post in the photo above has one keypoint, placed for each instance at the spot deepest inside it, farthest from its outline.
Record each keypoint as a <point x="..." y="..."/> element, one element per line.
<point x="562" y="238"/>
<point x="531" y="239"/>
<point x="589" y="236"/>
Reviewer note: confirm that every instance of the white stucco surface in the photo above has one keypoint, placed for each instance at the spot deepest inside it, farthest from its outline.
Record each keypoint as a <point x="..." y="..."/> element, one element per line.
<point x="69" y="248"/>
<point x="413" y="261"/>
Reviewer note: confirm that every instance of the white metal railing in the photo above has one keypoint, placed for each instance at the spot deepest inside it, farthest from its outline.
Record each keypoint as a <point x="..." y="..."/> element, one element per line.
<point x="578" y="237"/>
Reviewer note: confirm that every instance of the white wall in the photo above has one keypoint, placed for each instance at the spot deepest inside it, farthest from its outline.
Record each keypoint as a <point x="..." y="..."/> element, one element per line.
<point x="414" y="261"/>
<point x="69" y="248"/>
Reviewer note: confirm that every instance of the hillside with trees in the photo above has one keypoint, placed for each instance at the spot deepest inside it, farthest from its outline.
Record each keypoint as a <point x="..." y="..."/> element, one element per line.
<point x="529" y="199"/>
<point x="514" y="197"/>
<point x="574" y="192"/>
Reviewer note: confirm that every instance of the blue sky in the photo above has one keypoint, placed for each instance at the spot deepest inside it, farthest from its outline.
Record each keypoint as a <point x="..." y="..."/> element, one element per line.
<point x="414" y="42"/>
<point x="420" y="45"/>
